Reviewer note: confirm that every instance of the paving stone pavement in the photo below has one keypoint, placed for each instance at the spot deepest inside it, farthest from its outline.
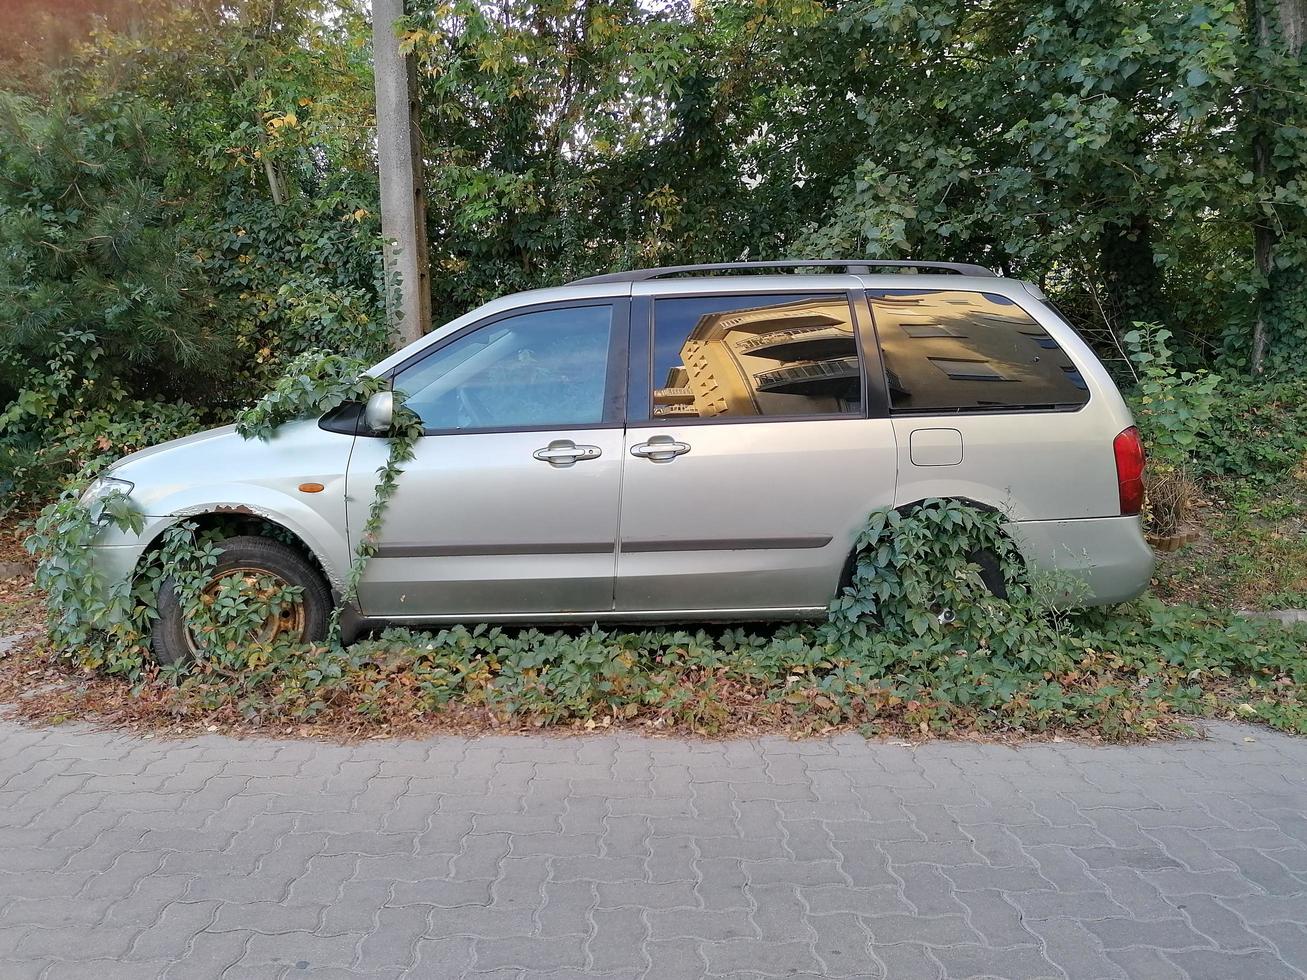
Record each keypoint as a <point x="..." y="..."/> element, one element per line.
<point x="620" y="856"/>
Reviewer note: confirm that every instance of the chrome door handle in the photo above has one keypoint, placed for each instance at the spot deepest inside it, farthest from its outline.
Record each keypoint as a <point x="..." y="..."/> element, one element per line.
<point x="564" y="452"/>
<point x="660" y="449"/>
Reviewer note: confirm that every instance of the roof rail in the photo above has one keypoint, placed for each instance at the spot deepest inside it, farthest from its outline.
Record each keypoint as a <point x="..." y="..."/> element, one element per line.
<point x="851" y="266"/>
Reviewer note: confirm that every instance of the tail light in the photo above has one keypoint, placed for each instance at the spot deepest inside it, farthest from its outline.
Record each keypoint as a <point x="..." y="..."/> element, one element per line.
<point x="1128" y="449"/>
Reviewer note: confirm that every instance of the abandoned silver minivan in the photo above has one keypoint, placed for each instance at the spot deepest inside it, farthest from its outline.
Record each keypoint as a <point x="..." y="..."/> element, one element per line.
<point x="688" y="443"/>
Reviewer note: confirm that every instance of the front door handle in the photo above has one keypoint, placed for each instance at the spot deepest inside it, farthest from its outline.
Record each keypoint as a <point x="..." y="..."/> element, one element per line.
<point x="564" y="452"/>
<point x="660" y="449"/>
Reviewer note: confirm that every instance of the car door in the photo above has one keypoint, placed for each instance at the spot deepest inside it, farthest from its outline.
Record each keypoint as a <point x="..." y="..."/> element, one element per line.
<point x="510" y="504"/>
<point x="753" y="456"/>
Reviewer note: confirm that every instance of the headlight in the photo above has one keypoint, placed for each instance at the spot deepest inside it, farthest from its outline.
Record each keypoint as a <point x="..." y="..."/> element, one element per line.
<point x="102" y="487"/>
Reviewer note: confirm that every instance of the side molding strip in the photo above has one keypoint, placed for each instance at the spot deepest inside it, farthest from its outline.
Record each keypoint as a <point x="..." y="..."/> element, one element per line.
<point x="469" y="550"/>
<point x="599" y="548"/>
<point x="726" y="544"/>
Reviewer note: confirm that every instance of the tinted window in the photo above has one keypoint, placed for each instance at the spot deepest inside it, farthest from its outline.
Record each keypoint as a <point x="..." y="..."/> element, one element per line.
<point x="786" y="355"/>
<point x="951" y="350"/>
<point x="544" y="368"/>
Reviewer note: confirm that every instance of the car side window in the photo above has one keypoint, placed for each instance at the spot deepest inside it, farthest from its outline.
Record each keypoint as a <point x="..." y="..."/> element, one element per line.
<point x="956" y="351"/>
<point x="755" y="355"/>
<point x="542" y="368"/>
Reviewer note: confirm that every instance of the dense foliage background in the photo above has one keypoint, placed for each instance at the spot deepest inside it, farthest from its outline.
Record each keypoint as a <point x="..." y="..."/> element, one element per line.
<point x="188" y="195"/>
<point x="189" y="205"/>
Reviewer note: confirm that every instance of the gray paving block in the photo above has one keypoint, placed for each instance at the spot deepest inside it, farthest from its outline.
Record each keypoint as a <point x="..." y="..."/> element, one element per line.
<point x="979" y="960"/>
<point x="700" y="924"/>
<point x="1078" y="953"/>
<point x="619" y="940"/>
<point x="734" y="956"/>
<point x="842" y="944"/>
<point x="530" y="952"/>
<point x="1122" y="933"/>
<point x="1211" y="964"/>
<point x="616" y="856"/>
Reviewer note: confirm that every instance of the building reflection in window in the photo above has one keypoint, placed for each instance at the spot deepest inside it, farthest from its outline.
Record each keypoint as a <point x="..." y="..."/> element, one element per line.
<point x="755" y="355"/>
<point x="953" y="350"/>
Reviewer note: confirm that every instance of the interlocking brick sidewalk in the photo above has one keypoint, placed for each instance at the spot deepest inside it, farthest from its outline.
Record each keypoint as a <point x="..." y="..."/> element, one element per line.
<point x="628" y="857"/>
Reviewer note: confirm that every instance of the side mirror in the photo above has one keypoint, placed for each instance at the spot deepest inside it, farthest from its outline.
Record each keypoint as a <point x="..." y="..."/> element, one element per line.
<point x="379" y="412"/>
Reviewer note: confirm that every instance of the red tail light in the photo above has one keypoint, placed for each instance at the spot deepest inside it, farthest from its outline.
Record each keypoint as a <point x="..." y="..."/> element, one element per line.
<point x="1129" y="451"/>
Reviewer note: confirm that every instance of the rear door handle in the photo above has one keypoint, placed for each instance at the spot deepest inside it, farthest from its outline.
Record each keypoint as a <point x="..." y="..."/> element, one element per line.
<point x="660" y="449"/>
<point x="564" y="452"/>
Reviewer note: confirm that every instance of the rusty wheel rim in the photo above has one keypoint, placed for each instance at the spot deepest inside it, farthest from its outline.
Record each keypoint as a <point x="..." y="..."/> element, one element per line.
<point x="288" y="620"/>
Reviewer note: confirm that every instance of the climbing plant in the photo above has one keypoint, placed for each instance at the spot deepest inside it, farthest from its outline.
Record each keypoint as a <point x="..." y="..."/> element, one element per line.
<point x="108" y="623"/>
<point x="316" y="383"/>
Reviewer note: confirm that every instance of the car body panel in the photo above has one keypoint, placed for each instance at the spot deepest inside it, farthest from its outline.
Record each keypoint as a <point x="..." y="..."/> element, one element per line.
<point x="1061" y="467"/>
<point x="1031" y="465"/>
<point x="760" y="514"/>
<point x="1103" y="560"/>
<point x="219" y="472"/>
<point x="479" y="525"/>
<point x="756" y="520"/>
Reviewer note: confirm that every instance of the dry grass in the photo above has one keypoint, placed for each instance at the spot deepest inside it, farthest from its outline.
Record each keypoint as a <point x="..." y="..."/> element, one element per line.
<point x="1172" y="493"/>
<point x="1252" y="552"/>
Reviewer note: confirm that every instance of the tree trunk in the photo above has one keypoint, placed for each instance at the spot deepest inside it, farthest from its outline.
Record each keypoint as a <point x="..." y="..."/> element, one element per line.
<point x="1280" y="26"/>
<point x="403" y="195"/>
<point x="1132" y="279"/>
<point x="276" y="181"/>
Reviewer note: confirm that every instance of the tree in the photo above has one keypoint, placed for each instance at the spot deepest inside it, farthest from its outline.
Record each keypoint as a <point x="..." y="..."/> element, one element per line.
<point x="95" y="246"/>
<point x="1278" y="29"/>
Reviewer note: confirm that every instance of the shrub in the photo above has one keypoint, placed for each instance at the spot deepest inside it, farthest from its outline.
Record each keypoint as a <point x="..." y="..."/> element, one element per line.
<point x="95" y="243"/>
<point x="67" y="423"/>
<point x="1257" y="432"/>
<point x="1172" y="408"/>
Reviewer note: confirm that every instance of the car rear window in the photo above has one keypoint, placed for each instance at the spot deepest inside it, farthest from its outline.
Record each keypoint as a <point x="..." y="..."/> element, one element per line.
<point x="961" y="351"/>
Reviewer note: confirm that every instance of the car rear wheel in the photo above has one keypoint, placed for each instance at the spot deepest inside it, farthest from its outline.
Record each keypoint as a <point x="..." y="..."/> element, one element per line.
<point x="303" y="620"/>
<point x="991" y="572"/>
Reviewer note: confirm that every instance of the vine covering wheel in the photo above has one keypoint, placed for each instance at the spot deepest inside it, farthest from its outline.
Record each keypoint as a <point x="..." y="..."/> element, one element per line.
<point x="991" y="571"/>
<point x="306" y="618"/>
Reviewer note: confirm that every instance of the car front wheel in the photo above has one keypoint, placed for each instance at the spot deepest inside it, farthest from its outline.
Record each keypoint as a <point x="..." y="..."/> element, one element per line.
<point x="305" y="619"/>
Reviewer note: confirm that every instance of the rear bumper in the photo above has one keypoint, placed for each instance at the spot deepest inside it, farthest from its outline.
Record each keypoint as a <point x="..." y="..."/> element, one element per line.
<point x="1107" y="554"/>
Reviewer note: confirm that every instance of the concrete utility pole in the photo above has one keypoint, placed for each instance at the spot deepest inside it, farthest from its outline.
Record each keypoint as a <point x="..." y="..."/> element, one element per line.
<point x="403" y="198"/>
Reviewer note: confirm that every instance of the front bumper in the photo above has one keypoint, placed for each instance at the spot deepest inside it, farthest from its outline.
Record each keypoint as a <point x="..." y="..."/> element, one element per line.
<point x="114" y="563"/>
<point x="115" y="555"/>
<point x="1108" y="555"/>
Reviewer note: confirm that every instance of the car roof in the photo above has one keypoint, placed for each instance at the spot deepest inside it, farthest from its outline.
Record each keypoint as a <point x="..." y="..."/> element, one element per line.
<point x="701" y="280"/>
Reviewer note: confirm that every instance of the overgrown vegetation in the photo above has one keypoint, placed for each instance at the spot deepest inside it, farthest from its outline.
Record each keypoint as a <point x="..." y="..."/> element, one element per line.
<point x="188" y="209"/>
<point x="188" y="195"/>
<point x="917" y="643"/>
<point x="106" y="625"/>
<point x="314" y="384"/>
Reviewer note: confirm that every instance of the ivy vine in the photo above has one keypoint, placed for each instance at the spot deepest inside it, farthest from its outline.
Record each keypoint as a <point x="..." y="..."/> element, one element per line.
<point x="108" y="624"/>
<point x="316" y="383"/>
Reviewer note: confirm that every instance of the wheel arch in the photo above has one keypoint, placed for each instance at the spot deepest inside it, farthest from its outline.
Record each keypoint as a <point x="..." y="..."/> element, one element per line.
<point x="238" y="519"/>
<point x="850" y="560"/>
